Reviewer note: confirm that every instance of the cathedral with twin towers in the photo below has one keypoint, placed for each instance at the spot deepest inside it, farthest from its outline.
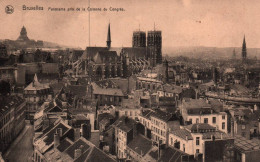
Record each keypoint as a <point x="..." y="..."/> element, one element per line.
<point x="108" y="62"/>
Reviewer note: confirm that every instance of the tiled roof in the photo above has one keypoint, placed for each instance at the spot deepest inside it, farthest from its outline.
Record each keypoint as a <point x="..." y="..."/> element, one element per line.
<point x="201" y="127"/>
<point x="64" y="144"/>
<point x="195" y="103"/>
<point x="90" y="153"/>
<point x="36" y="85"/>
<point x="97" y="156"/>
<point x="172" y="89"/>
<point x="171" y="154"/>
<point x="78" y="90"/>
<point x="147" y="113"/>
<point x="242" y="144"/>
<point x="140" y="145"/>
<point x="91" y="51"/>
<point x="162" y="115"/>
<point x="136" y="52"/>
<point x="46" y="140"/>
<point x="80" y="143"/>
<point x="105" y="57"/>
<point x="183" y="133"/>
<point x="6" y="102"/>
<point x="106" y="91"/>
<point x="124" y="123"/>
<point x="217" y="135"/>
<point x="105" y="116"/>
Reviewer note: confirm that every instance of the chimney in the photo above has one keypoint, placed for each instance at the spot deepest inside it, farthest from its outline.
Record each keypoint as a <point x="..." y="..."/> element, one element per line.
<point x="56" y="140"/>
<point x="86" y="131"/>
<point x="77" y="153"/>
<point x="186" y="137"/>
<point x="59" y="131"/>
<point x="213" y="137"/>
<point x="50" y="97"/>
<point x="63" y="96"/>
<point x="255" y="107"/>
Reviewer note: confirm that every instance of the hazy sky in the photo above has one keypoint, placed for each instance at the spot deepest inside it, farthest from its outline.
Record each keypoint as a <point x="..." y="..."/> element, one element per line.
<point x="219" y="23"/>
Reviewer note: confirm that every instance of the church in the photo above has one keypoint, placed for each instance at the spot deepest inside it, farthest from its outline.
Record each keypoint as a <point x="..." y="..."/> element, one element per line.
<point x="109" y="62"/>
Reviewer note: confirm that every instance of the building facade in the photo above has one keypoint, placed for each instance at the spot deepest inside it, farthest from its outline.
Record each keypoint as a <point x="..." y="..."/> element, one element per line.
<point x="35" y="94"/>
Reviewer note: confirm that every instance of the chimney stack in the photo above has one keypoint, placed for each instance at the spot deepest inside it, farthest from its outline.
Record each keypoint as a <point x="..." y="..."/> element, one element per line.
<point x="56" y="140"/>
<point x="59" y="131"/>
<point x="186" y="137"/>
<point x="86" y="131"/>
<point x="77" y="153"/>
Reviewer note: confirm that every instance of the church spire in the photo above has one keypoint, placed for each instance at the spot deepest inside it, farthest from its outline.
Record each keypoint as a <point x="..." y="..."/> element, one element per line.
<point x="108" y="37"/>
<point x="244" y="52"/>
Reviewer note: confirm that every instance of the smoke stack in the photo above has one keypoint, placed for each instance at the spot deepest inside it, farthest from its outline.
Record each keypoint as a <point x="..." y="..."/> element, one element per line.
<point x="56" y="140"/>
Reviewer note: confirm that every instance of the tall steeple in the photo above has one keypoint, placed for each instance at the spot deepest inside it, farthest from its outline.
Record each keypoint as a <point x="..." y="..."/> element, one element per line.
<point x="244" y="52"/>
<point x="108" y="37"/>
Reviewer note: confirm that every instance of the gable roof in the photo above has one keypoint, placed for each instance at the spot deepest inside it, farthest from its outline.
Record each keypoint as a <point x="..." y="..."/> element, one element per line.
<point x="140" y="145"/>
<point x="183" y="133"/>
<point x="124" y="123"/>
<point x="36" y="85"/>
<point x="45" y="141"/>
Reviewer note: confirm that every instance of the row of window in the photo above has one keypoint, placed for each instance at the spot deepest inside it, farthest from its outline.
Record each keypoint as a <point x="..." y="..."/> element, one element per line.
<point x="131" y="113"/>
<point x="214" y="120"/>
<point x="158" y="123"/>
<point x="6" y="119"/>
<point x="158" y="131"/>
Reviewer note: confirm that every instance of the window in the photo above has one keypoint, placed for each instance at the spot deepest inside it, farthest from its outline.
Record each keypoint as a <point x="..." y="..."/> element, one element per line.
<point x="190" y="121"/>
<point x="243" y="127"/>
<point x="197" y="151"/>
<point x="214" y="120"/>
<point x="125" y="113"/>
<point x="197" y="120"/>
<point x="197" y="141"/>
<point x="223" y="125"/>
<point x="131" y="113"/>
<point x="223" y="117"/>
<point x="183" y="147"/>
<point x="205" y="120"/>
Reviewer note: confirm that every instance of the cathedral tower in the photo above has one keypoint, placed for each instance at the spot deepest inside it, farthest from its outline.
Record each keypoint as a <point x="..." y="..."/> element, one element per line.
<point x="139" y="39"/>
<point x="154" y="42"/>
<point x="108" y="37"/>
<point x="244" y="52"/>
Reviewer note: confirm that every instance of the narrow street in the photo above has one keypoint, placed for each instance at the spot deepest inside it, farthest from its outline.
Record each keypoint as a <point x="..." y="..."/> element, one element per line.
<point x="21" y="150"/>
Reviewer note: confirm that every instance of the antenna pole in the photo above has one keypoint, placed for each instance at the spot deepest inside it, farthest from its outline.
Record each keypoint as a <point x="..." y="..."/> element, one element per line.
<point x="89" y="23"/>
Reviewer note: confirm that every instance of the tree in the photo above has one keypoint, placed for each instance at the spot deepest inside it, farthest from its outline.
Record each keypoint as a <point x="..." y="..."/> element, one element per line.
<point x="5" y="88"/>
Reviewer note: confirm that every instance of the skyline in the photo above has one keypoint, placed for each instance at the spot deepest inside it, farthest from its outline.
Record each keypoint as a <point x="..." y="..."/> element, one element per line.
<point x="183" y="23"/>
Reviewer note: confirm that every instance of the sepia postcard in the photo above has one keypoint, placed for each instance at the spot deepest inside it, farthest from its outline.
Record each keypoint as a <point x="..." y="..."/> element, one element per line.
<point x="129" y="81"/>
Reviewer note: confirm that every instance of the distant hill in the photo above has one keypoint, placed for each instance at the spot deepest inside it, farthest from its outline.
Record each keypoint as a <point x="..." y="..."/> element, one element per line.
<point x="14" y="44"/>
<point x="209" y="52"/>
